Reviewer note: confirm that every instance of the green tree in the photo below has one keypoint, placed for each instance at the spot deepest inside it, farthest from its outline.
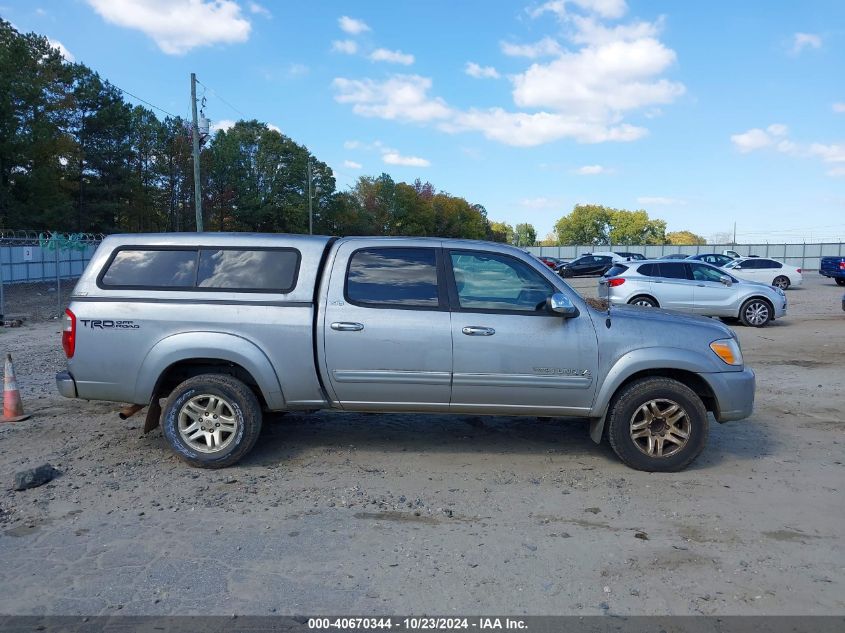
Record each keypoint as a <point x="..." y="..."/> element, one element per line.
<point x="585" y="224"/>
<point x="525" y="235"/>
<point x="635" y="227"/>
<point x="501" y="232"/>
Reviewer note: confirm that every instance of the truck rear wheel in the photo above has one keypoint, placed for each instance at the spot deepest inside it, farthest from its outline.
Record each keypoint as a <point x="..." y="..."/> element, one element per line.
<point x="840" y="281"/>
<point x="657" y="425"/>
<point x="212" y="420"/>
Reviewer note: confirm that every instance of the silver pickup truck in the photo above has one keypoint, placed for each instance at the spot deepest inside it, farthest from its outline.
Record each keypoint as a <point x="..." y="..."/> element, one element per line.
<point x="226" y="326"/>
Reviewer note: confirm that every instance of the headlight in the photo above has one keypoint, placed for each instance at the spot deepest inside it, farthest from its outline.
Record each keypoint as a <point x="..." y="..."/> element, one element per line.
<point x="728" y="350"/>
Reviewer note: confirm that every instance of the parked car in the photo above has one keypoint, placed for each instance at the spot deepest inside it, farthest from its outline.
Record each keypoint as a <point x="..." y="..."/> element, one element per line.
<point x="227" y="326"/>
<point x="712" y="258"/>
<point x="619" y="256"/>
<point x="630" y="256"/>
<point x="694" y="287"/>
<point x="833" y="267"/>
<point x="589" y="264"/>
<point x="675" y="256"/>
<point x="731" y="253"/>
<point x="766" y="271"/>
<point x="551" y="262"/>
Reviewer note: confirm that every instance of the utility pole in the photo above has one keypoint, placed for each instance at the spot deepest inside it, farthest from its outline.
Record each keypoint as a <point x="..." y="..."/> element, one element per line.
<point x="734" y="242"/>
<point x="195" y="133"/>
<point x="310" y="212"/>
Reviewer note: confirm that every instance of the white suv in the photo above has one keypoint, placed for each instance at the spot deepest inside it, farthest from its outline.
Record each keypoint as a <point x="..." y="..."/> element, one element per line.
<point x="692" y="286"/>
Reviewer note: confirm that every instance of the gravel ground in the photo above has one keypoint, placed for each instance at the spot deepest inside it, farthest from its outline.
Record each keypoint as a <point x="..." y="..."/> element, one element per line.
<point x="348" y="513"/>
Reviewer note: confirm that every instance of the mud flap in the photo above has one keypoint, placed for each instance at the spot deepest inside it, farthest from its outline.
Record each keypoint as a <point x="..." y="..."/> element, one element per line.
<point x="153" y="415"/>
<point x="597" y="428"/>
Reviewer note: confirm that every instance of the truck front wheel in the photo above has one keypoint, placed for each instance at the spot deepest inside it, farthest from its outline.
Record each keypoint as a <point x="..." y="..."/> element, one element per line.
<point x="657" y="425"/>
<point x="212" y="420"/>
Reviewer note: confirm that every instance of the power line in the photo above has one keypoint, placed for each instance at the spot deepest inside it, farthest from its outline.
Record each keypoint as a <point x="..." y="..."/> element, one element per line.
<point x="134" y="96"/>
<point x="217" y="94"/>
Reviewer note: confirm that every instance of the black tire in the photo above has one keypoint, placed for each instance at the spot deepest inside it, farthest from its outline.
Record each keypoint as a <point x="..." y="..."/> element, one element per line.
<point x="756" y="312"/>
<point x="781" y="281"/>
<point x="840" y="281"/>
<point x="238" y="400"/>
<point x="644" y="300"/>
<point x="565" y="273"/>
<point x="625" y="411"/>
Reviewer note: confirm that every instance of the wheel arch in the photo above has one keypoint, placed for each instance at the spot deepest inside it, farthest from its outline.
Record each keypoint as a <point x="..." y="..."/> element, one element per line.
<point x="644" y="295"/>
<point x="190" y="354"/>
<point x="681" y="365"/>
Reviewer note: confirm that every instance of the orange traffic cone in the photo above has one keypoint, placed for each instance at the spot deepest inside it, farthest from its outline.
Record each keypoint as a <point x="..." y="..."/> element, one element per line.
<point x="12" y="405"/>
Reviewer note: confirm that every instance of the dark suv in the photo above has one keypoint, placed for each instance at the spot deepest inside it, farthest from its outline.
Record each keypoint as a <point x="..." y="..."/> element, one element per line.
<point x="586" y="265"/>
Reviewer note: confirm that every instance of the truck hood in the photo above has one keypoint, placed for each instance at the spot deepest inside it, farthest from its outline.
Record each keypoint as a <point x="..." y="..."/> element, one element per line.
<point x="659" y="318"/>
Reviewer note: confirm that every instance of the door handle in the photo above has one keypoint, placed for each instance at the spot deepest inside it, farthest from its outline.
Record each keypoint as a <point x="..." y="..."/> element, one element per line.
<point x="345" y="326"/>
<point x="700" y="285"/>
<point x="658" y="281"/>
<point x="477" y="330"/>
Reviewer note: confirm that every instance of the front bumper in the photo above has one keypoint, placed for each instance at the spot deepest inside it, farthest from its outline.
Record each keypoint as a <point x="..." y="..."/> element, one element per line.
<point x="734" y="391"/>
<point x="66" y="384"/>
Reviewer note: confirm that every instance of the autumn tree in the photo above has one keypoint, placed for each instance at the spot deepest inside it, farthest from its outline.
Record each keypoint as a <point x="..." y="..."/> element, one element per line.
<point x="684" y="238"/>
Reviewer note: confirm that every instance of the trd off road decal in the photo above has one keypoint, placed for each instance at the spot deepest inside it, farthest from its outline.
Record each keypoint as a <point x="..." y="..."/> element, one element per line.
<point x="108" y="324"/>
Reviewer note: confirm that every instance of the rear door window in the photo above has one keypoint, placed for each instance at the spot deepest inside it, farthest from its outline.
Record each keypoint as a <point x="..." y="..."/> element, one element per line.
<point x="151" y="268"/>
<point x="672" y="270"/>
<point x="394" y="278"/>
<point x="248" y="270"/>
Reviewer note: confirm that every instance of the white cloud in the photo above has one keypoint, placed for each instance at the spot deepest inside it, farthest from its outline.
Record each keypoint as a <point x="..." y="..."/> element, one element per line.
<point x="800" y="41"/>
<point x="259" y="9"/>
<point x="591" y="170"/>
<point x="400" y="97"/>
<point x="661" y="201"/>
<point x="584" y="93"/>
<point x="774" y="137"/>
<point x="828" y="153"/>
<point x="546" y="47"/>
<point x="351" y="164"/>
<point x="837" y="172"/>
<point x="604" y="8"/>
<point x="394" y="158"/>
<point x="392" y="57"/>
<point x="540" y="202"/>
<point x="525" y="130"/>
<point x="297" y="70"/>
<point x="751" y="140"/>
<point x="178" y="26"/>
<point x="600" y="80"/>
<point x="352" y="26"/>
<point x="481" y="72"/>
<point x="222" y="124"/>
<point x="838" y="107"/>
<point x="347" y="47"/>
<point x="63" y="51"/>
<point x="275" y="128"/>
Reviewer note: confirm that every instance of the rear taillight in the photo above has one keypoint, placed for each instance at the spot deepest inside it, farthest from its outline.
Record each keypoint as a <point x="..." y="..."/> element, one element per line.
<point x="615" y="281"/>
<point x="841" y="265"/>
<point x="69" y="333"/>
<point x="798" y="269"/>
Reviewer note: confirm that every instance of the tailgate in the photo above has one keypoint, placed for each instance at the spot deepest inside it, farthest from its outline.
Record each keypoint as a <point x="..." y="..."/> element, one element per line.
<point x="832" y="265"/>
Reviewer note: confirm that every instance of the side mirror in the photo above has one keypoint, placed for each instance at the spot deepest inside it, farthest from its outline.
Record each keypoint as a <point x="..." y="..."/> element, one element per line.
<point x="726" y="280"/>
<point x="560" y="304"/>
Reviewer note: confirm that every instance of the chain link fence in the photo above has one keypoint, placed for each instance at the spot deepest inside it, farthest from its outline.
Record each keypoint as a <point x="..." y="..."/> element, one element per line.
<point x="803" y="256"/>
<point x="43" y="256"/>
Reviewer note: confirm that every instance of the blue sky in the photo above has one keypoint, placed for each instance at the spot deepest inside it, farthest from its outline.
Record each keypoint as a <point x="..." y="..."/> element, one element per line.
<point x="702" y="113"/>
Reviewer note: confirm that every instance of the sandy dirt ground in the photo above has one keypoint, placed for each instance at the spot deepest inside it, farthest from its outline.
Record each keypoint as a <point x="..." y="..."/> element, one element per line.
<point x="345" y="513"/>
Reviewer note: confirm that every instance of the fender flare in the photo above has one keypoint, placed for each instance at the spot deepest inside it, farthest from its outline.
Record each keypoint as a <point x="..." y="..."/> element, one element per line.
<point x="217" y="345"/>
<point x="636" y="361"/>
